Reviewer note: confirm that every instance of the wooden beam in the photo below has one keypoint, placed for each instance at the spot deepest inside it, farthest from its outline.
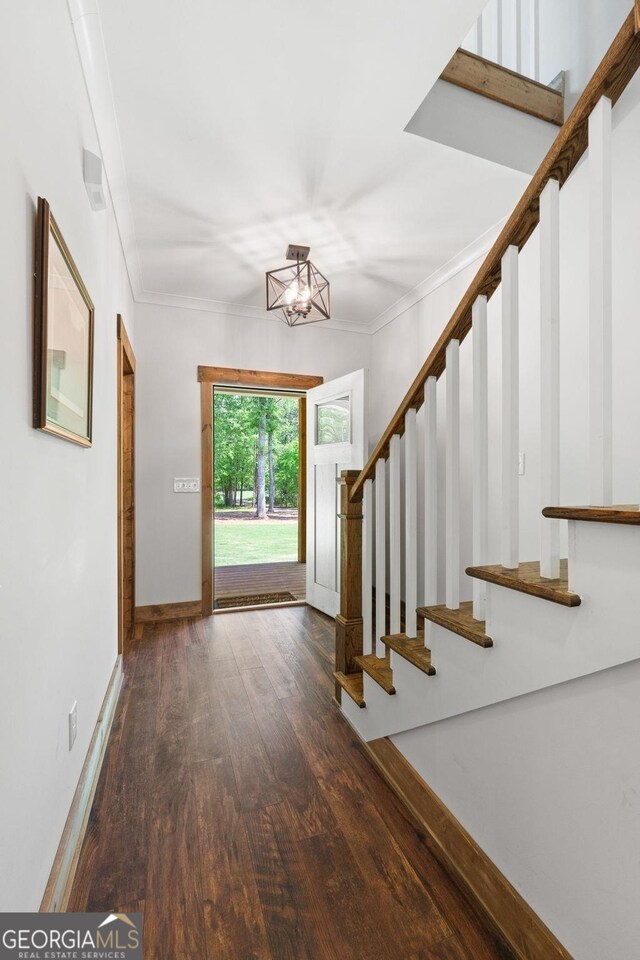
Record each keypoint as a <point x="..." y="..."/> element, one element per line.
<point x="258" y="378"/>
<point x="523" y="929"/>
<point x="474" y="73"/>
<point x="610" y="79"/>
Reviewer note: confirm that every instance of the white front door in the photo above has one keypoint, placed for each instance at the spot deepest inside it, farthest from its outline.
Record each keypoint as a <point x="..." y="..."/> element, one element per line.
<point x="335" y="442"/>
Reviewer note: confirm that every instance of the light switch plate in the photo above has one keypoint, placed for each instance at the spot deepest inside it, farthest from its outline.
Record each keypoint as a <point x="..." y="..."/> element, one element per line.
<point x="186" y="484"/>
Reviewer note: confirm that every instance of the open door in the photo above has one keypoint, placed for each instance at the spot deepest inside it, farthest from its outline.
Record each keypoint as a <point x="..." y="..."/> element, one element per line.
<point x="335" y="442"/>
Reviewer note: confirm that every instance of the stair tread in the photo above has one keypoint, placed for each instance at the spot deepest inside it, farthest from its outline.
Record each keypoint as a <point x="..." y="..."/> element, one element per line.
<point x="411" y="649"/>
<point x="620" y="513"/>
<point x="379" y="669"/>
<point x="353" y="684"/>
<point x="526" y="578"/>
<point x="459" y="621"/>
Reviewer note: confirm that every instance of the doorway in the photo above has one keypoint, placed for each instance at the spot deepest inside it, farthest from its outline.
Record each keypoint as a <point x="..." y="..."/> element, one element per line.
<point x="253" y="487"/>
<point x="126" y="495"/>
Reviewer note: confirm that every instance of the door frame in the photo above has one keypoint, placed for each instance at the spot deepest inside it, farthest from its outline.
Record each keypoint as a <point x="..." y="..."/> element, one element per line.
<point x="126" y="486"/>
<point x="208" y="378"/>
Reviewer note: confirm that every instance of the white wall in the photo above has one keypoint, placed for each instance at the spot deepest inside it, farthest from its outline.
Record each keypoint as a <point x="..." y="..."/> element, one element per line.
<point x="574" y="35"/>
<point x="548" y="783"/>
<point x="173" y="342"/>
<point x="58" y="611"/>
<point x="549" y="786"/>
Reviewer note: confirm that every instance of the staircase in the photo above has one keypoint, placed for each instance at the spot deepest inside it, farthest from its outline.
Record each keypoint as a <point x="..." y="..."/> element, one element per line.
<point x="530" y="624"/>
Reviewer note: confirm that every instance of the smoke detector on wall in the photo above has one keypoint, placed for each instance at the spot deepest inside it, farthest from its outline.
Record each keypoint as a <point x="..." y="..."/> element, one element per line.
<point x="93" y="170"/>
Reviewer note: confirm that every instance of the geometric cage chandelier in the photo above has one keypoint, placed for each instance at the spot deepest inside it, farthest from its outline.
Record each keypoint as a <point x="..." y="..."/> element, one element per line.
<point x="298" y="290"/>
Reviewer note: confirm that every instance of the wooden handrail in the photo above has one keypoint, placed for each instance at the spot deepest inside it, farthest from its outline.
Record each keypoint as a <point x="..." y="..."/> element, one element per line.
<point x="610" y="79"/>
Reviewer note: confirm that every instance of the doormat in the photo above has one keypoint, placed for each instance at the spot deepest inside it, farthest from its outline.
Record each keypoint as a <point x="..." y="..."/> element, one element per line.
<point x="254" y="600"/>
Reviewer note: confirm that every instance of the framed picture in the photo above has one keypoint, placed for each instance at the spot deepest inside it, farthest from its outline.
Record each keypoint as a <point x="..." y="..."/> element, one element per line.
<point x="63" y="338"/>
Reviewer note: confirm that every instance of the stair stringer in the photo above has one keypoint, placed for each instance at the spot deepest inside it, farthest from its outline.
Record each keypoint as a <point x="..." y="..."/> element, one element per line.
<point x="537" y="643"/>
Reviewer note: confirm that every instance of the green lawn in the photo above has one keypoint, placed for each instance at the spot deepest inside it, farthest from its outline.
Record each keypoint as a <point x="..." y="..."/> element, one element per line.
<point x="242" y="541"/>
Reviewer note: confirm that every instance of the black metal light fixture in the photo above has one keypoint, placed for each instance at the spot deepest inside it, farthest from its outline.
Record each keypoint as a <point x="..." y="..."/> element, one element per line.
<point x="299" y="290"/>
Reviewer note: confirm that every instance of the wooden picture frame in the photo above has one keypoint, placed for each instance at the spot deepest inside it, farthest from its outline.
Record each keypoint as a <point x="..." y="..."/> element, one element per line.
<point x="63" y="338"/>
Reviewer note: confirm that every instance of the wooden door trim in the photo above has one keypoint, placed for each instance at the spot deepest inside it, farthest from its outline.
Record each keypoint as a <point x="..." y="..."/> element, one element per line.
<point x="206" y="494"/>
<point x="258" y="378"/>
<point x="208" y="377"/>
<point x="126" y="367"/>
<point x="302" y="480"/>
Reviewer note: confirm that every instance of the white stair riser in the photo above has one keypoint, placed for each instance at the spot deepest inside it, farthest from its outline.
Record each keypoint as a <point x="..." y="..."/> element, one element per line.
<point x="537" y="643"/>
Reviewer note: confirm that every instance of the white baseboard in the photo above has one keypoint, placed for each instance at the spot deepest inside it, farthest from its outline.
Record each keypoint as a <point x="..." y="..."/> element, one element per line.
<point x="58" y="890"/>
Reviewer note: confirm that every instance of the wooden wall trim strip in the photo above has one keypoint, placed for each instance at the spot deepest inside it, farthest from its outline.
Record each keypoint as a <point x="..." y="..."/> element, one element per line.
<point x="160" y="612"/>
<point x="610" y="79"/>
<point x="488" y="79"/>
<point x="126" y="366"/>
<point x="126" y="345"/>
<point x="63" y="871"/>
<point x="302" y="480"/>
<point x="512" y="916"/>
<point x="637" y="14"/>
<point x="206" y="497"/>
<point x="258" y="378"/>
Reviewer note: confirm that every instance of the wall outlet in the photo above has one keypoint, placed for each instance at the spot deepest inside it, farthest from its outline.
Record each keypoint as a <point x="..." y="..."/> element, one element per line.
<point x="521" y="465"/>
<point x="186" y="484"/>
<point x="73" y="724"/>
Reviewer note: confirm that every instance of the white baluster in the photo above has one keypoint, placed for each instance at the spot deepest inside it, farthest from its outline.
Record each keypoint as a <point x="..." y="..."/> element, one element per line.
<point x="600" y="371"/>
<point x="477" y="37"/>
<point x="431" y="493"/>
<point x="550" y="375"/>
<point x="510" y="409"/>
<point x="499" y="29"/>
<point x="395" y="533"/>
<point x="518" y="31"/>
<point x="452" y="506"/>
<point x="480" y="451"/>
<point x="368" y="645"/>
<point x="532" y="44"/>
<point x="410" y="522"/>
<point x="381" y="555"/>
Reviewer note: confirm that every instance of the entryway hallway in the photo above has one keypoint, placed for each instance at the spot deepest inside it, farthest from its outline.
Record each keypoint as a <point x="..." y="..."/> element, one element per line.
<point x="240" y="814"/>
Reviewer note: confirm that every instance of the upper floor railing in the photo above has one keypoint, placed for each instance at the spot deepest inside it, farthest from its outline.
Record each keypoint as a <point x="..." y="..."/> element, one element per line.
<point x="508" y="32"/>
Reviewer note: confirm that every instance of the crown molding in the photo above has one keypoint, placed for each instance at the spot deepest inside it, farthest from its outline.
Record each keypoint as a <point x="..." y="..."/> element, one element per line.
<point x="238" y="310"/>
<point x="468" y="255"/>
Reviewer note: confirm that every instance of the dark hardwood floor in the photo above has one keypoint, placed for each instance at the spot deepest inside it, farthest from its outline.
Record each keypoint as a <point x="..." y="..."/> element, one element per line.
<point x="237" y="810"/>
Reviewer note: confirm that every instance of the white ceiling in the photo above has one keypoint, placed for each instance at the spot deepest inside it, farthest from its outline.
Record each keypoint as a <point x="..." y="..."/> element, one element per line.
<point x="249" y="124"/>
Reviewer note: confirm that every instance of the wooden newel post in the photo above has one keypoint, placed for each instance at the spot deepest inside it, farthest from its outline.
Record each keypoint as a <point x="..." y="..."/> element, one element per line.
<point x="349" y="620"/>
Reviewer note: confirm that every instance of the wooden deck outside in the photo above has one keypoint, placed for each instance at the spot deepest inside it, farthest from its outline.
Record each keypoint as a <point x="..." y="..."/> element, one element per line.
<point x="255" y="578"/>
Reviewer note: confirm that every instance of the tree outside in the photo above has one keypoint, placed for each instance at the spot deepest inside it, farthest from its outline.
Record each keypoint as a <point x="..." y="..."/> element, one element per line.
<point x="256" y="478"/>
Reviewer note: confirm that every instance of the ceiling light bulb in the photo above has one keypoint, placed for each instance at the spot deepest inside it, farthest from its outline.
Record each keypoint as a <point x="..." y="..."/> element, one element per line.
<point x="291" y="293"/>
